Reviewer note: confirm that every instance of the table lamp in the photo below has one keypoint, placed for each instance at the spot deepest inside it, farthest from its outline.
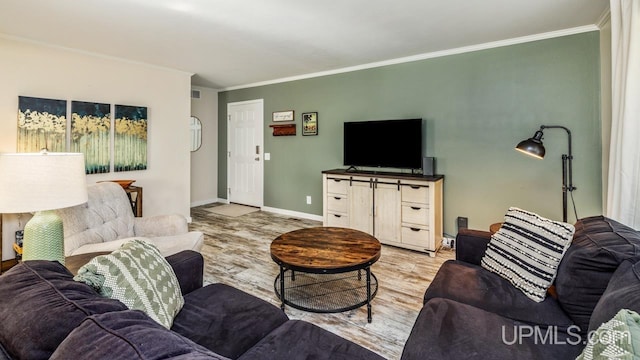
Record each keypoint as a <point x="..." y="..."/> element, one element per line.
<point x="40" y="183"/>
<point x="533" y="146"/>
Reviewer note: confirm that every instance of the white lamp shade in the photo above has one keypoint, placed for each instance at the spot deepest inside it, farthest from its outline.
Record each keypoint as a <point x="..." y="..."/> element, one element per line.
<point x="32" y="182"/>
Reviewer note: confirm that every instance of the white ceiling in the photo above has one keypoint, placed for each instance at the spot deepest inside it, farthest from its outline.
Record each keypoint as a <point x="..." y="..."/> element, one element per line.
<point x="228" y="43"/>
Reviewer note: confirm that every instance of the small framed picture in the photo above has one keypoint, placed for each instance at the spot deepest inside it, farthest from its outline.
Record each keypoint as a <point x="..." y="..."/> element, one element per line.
<point x="283" y="115"/>
<point x="310" y="123"/>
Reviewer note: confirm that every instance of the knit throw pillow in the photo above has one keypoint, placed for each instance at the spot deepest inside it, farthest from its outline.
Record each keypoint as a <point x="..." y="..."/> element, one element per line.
<point x="140" y="277"/>
<point x="618" y="338"/>
<point x="527" y="250"/>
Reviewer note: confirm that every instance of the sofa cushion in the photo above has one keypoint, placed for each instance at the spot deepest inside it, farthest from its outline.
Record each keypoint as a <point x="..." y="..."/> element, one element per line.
<point x="622" y="292"/>
<point x="471" y="245"/>
<point x="226" y="320"/>
<point x="599" y="246"/>
<point x="473" y="285"/>
<point x="446" y="329"/>
<point x="618" y="338"/>
<point x="189" y="267"/>
<point x="527" y="250"/>
<point x="139" y="276"/>
<point x="128" y="334"/>
<point x="26" y="329"/>
<point x="301" y="340"/>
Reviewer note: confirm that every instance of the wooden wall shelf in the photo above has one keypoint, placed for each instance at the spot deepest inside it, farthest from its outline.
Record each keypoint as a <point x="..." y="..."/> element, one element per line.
<point x="284" y="130"/>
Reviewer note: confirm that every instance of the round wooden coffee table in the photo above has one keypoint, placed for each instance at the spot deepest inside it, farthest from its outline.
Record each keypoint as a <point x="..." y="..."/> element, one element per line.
<point x="321" y="269"/>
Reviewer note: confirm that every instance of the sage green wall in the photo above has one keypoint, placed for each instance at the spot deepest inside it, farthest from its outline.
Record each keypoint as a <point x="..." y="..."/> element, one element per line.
<point x="477" y="106"/>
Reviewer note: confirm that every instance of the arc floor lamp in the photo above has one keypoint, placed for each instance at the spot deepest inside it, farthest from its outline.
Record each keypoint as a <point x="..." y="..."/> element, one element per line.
<point x="533" y="146"/>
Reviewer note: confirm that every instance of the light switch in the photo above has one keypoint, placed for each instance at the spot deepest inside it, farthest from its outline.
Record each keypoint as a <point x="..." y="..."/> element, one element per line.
<point x="267" y="156"/>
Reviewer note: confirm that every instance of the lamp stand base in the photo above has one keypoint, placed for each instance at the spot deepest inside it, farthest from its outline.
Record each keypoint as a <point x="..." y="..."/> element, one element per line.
<point x="44" y="237"/>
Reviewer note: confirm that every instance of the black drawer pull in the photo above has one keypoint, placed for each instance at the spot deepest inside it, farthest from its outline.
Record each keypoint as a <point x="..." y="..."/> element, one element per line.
<point x="416" y="187"/>
<point x="338" y="216"/>
<point x="415" y="208"/>
<point x="336" y="180"/>
<point x="337" y="197"/>
<point x="414" y="229"/>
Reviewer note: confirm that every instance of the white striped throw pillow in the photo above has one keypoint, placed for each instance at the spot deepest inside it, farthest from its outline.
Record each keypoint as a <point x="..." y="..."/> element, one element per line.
<point x="527" y="251"/>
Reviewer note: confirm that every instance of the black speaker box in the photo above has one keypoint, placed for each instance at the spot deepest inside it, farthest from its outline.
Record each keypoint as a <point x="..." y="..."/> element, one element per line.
<point x="429" y="166"/>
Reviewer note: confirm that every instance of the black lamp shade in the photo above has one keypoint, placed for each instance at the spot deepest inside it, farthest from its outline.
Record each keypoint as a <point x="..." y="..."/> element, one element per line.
<point x="532" y="146"/>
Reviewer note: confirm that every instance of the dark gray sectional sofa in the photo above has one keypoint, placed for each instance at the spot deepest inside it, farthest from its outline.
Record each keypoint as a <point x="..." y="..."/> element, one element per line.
<point x="471" y="313"/>
<point x="468" y="312"/>
<point x="45" y="314"/>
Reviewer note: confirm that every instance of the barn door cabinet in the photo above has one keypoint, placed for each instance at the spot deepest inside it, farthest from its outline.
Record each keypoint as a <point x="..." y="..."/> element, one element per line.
<point x="398" y="209"/>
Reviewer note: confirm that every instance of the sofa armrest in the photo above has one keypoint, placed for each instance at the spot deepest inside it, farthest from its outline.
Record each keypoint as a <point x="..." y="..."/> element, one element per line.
<point x="160" y="225"/>
<point x="188" y="265"/>
<point x="471" y="245"/>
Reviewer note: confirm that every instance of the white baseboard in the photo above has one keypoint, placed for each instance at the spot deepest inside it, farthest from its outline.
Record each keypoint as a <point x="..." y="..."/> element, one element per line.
<point x="292" y="213"/>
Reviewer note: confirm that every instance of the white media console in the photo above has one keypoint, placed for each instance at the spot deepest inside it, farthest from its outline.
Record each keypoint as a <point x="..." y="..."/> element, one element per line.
<point x="402" y="210"/>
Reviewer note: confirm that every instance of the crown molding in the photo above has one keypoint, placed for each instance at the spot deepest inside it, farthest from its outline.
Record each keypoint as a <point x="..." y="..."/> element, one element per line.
<point x="604" y="18"/>
<point x="425" y="56"/>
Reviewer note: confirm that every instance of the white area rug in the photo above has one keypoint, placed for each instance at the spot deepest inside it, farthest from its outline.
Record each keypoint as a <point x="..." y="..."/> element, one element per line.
<point x="233" y="210"/>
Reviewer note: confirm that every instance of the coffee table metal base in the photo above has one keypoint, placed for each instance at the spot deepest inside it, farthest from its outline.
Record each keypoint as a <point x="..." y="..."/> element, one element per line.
<point x="326" y="293"/>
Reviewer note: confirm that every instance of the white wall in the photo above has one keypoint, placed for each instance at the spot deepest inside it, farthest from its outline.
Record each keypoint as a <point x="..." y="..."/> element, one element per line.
<point x="29" y="69"/>
<point x="204" y="161"/>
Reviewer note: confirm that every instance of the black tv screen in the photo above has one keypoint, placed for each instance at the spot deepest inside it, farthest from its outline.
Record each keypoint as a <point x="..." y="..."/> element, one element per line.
<point x="384" y="143"/>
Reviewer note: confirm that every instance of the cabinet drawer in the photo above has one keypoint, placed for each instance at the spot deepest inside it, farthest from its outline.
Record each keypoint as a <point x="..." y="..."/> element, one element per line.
<point x="337" y="220"/>
<point x="418" y="215"/>
<point x="416" y="236"/>
<point x="337" y="203"/>
<point x="415" y="194"/>
<point x="337" y="186"/>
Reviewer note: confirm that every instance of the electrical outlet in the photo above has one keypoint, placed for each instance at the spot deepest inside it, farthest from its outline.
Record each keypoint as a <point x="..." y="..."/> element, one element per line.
<point x="308" y="200"/>
<point x="446" y="242"/>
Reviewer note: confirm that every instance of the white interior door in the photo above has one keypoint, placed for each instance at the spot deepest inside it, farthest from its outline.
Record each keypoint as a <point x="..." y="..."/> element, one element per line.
<point x="244" y="152"/>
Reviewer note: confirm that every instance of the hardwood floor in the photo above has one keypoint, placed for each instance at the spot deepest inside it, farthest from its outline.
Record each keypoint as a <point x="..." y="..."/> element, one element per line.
<point x="236" y="252"/>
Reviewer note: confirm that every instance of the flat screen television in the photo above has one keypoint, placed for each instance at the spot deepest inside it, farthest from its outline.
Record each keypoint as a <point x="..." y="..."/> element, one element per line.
<point x="383" y="143"/>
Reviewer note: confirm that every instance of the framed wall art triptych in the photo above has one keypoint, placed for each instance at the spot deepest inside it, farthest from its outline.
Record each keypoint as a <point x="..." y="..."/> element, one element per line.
<point x="130" y="139"/>
<point x="91" y="135"/>
<point x="93" y="127"/>
<point x="42" y="124"/>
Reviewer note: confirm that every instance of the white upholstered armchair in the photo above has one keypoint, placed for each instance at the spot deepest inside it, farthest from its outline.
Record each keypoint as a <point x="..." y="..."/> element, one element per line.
<point x="106" y="221"/>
